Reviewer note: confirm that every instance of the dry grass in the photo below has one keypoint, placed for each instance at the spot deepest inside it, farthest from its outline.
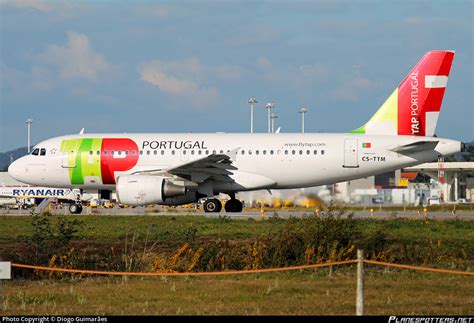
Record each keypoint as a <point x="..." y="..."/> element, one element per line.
<point x="298" y="293"/>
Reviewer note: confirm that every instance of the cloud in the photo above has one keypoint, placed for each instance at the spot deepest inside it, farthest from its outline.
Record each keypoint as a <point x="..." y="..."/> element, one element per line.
<point x="19" y="83"/>
<point x="331" y="82"/>
<point x="350" y="90"/>
<point x="40" y="5"/>
<point x="264" y="62"/>
<point x="229" y="73"/>
<point x="181" y="79"/>
<point x="161" y="11"/>
<point x="77" y="59"/>
<point x="298" y="77"/>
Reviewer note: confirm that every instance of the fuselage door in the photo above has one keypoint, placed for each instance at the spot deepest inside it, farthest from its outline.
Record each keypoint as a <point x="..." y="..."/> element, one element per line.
<point x="350" y="153"/>
<point x="69" y="154"/>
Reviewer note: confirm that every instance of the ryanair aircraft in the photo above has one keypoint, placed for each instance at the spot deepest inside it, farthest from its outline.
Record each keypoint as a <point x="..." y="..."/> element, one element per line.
<point x="174" y="169"/>
<point x="11" y="194"/>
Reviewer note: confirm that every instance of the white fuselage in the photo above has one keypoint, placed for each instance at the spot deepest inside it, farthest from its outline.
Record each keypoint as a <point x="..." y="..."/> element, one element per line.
<point x="263" y="161"/>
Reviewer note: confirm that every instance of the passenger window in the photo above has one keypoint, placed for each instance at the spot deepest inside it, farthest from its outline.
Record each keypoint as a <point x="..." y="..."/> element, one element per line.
<point x="271" y="152"/>
<point x="91" y="152"/>
<point x="105" y="152"/>
<point x="322" y="152"/>
<point x="199" y="152"/>
<point x="243" y="152"/>
<point x="192" y="152"/>
<point x="184" y="152"/>
<point x="98" y="152"/>
<point x="315" y="152"/>
<point x="35" y="152"/>
<point x="172" y="152"/>
<point x="148" y="152"/>
<point x="301" y="152"/>
<point x="112" y="152"/>
<point x="214" y="152"/>
<point x="126" y="152"/>
<point x="207" y="152"/>
<point x="119" y="152"/>
<point x="133" y="152"/>
<point x="264" y="152"/>
<point x="308" y="152"/>
<point x="162" y="152"/>
<point x="141" y="152"/>
<point x="250" y="152"/>
<point x="43" y="152"/>
<point x="221" y="151"/>
<point x="286" y="152"/>
<point x="293" y="152"/>
<point x="155" y="152"/>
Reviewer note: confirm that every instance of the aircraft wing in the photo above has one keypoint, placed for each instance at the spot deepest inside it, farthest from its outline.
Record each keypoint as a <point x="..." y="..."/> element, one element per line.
<point x="216" y="166"/>
<point x="416" y="147"/>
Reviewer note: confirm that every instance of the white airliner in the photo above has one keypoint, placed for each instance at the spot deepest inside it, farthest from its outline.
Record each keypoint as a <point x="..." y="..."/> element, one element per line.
<point x="173" y="169"/>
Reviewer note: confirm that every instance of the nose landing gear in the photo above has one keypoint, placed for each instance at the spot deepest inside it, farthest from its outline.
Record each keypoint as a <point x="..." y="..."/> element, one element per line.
<point x="75" y="208"/>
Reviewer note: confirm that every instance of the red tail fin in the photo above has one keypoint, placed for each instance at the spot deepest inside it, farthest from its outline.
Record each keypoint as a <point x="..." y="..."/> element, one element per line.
<point x="413" y="108"/>
<point x="421" y="93"/>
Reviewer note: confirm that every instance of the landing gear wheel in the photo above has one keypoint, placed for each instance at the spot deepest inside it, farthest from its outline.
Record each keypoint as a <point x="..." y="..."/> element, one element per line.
<point x="212" y="205"/>
<point x="233" y="205"/>
<point x="75" y="208"/>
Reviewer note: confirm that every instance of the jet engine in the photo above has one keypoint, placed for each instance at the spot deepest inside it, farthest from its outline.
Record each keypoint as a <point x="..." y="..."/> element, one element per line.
<point x="146" y="189"/>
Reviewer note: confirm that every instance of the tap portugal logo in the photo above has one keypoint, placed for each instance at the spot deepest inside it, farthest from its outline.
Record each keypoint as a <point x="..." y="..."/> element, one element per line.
<point x="95" y="160"/>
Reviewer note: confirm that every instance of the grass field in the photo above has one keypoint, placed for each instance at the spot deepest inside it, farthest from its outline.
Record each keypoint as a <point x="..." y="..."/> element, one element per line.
<point x="301" y="293"/>
<point x="195" y="243"/>
<point x="174" y="228"/>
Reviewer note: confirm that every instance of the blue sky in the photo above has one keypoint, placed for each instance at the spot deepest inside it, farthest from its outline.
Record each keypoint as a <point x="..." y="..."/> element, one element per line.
<point x="171" y="66"/>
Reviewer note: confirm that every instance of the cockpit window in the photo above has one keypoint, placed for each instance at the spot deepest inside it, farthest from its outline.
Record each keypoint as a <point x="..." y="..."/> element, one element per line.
<point x="35" y="152"/>
<point x="43" y="152"/>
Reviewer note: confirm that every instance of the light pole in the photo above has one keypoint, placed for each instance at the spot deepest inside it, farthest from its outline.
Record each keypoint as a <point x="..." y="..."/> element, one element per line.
<point x="269" y="106"/>
<point x="302" y="111"/>
<point x="29" y="121"/>
<point x="273" y="116"/>
<point x="252" y="101"/>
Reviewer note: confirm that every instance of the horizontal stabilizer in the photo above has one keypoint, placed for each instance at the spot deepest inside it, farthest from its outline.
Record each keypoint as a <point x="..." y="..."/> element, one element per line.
<point x="416" y="147"/>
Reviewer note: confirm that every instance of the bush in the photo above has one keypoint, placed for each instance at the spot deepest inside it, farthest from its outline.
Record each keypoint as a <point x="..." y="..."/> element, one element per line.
<point x="49" y="239"/>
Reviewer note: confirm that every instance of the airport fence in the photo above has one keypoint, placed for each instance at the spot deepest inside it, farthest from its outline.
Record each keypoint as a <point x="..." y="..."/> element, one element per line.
<point x="360" y="261"/>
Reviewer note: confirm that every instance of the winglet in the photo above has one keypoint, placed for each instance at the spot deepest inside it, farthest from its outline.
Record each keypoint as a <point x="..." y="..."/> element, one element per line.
<point x="82" y="131"/>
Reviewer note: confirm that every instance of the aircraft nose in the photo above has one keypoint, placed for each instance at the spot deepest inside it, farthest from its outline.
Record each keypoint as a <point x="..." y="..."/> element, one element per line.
<point x="15" y="170"/>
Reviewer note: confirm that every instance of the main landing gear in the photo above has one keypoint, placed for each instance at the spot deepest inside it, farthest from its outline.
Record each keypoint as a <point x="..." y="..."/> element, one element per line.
<point x="233" y="205"/>
<point x="215" y="205"/>
<point x="212" y="205"/>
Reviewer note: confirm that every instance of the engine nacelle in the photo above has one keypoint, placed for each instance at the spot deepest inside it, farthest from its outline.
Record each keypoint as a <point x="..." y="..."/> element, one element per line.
<point x="146" y="189"/>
